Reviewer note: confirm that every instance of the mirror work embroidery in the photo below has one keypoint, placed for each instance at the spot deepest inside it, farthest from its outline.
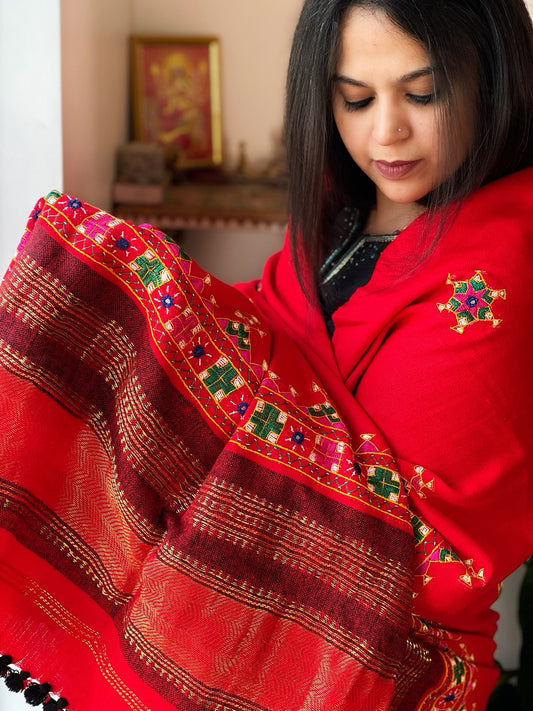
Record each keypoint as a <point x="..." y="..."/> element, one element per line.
<point x="472" y="301"/>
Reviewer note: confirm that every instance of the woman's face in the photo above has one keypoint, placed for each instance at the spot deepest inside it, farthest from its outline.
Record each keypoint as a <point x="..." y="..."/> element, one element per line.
<point x="385" y="110"/>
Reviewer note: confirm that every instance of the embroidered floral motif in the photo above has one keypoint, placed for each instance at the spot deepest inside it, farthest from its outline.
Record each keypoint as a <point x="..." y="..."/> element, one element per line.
<point x="462" y="682"/>
<point x="69" y="206"/>
<point x="240" y="407"/>
<point x="151" y="270"/>
<point x="458" y="679"/>
<point x="98" y="226"/>
<point x="418" y="484"/>
<point x="432" y="550"/>
<point x="296" y="439"/>
<point x="382" y="477"/>
<point x="198" y="351"/>
<point x="472" y="301"/>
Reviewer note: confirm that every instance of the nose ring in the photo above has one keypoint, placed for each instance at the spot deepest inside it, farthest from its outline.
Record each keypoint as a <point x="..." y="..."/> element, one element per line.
<point x="399" y="130"/>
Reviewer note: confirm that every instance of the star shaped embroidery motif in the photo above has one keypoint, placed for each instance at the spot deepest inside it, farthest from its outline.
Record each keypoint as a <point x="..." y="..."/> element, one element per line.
<point x="472" y="301"/>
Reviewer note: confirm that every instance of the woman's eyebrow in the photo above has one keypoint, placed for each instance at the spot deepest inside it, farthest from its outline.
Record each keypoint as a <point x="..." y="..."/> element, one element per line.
<point x="410" y="76"/>
<point x="348" y="80"/>
<point x="424" y="72"/>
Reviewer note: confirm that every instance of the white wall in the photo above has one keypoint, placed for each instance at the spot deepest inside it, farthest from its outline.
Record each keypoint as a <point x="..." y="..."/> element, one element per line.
<point x="30" y="132"/>
<point x="30" y="113"/>
<point x="508" y="637"/>
<point x="255" y="43"/>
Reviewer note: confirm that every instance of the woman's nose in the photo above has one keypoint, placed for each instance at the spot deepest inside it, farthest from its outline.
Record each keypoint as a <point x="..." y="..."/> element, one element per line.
<point x="390" y="125"/>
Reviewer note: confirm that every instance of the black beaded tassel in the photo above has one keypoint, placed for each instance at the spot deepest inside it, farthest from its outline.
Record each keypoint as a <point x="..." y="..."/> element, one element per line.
<point x="15" y="679"/>
<point x="35" y="693"/>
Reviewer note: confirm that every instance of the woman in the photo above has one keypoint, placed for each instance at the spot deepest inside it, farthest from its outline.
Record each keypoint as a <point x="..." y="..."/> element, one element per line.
<point x="303" y="495"/>
<point x="413" y="107"/>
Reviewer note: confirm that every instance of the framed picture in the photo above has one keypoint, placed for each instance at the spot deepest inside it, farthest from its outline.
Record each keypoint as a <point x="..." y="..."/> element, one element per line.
<point x="175" y="91"/>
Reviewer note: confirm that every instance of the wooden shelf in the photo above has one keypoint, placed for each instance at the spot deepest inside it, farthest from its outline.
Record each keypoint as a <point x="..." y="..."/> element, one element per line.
<point x="207" y="205"/>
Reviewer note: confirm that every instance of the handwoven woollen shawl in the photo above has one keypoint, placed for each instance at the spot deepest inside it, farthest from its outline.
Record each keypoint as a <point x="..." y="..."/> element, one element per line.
<point x="188" y="520"/>
<point x="436" y="350"/>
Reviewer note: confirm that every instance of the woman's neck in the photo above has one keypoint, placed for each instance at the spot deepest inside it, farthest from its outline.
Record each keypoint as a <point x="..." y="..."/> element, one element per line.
<point x="387" y="217"/>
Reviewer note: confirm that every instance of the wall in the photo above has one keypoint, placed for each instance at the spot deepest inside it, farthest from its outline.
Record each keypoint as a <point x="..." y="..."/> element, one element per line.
<point x="94" y="41"/>
<point x="255" y="42"/>
<point x="30" y="132"/>
<point x="255" y="38"/>
<point x="95" y="71"/>
<point x="508" y="637"/>
<point x="30" y="113"/>
<point x="64" y="110"/>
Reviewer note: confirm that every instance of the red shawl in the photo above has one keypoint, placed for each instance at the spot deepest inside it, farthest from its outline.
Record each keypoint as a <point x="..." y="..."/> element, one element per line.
<point x="199" y="514"/>
<point x="187" y="522"/>
<point x="436" y="350"/>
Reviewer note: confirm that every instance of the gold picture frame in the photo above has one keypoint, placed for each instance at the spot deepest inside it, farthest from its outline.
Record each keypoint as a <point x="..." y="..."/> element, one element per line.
<point x="175" y="97"/>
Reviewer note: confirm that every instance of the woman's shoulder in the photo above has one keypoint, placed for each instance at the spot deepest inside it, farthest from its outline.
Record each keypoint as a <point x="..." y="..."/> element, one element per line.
<point x="495" y="224"/>
<point x="508" y="199"/>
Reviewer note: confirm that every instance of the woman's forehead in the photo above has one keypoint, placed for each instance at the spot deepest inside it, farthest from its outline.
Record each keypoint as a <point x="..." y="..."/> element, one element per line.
<point x="371" y="42"/>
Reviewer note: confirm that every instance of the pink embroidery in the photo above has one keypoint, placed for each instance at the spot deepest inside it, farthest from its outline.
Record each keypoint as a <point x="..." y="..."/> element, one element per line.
<point x="472" y="301"/>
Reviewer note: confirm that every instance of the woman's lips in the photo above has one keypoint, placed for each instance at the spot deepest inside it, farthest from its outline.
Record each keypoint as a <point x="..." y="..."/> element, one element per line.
<point x="397" y="169"/>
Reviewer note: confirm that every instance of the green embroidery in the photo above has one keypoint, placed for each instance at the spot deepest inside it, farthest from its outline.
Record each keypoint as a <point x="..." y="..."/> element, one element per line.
<point x="267" y="421"/>
<point x="471" y="301"/>
<point x="458" y="670"/>
<point x="384" y="482"/>
<point x="219" y="379"/>
<point x="53" y="196"/>
<point x="324" y="411"/>
<point x="447" y="556"/>
<point x="150" y="271"/>
<point x="242" y="333"/>
<point x="420" y="529"/>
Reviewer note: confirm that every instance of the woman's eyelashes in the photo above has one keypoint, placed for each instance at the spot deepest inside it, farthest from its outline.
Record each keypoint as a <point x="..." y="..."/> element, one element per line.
<point x="419" y="99"/>
<point x="357" y="105"/>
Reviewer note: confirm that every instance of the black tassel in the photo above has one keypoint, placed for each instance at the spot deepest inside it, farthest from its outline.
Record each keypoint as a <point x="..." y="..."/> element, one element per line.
<point x="35" y="694"/>
<point x="53" y="705"/>
<point x="15" y="680"/>
<point x="5" y="659"/>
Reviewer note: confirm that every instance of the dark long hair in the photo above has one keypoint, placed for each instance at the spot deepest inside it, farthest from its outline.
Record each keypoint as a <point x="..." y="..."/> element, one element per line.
<point x="480" y="49"/>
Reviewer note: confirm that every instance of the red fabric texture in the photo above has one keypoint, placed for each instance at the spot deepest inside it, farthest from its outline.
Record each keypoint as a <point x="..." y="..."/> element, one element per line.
<point x="206" y="503"/>
<point x="185" y="520"/>
<point x="437" y="352"/>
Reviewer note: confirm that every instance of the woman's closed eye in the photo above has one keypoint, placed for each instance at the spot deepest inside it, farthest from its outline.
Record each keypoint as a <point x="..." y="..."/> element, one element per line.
<point x="421" y="98"/>
<point x="357" y="105"/>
